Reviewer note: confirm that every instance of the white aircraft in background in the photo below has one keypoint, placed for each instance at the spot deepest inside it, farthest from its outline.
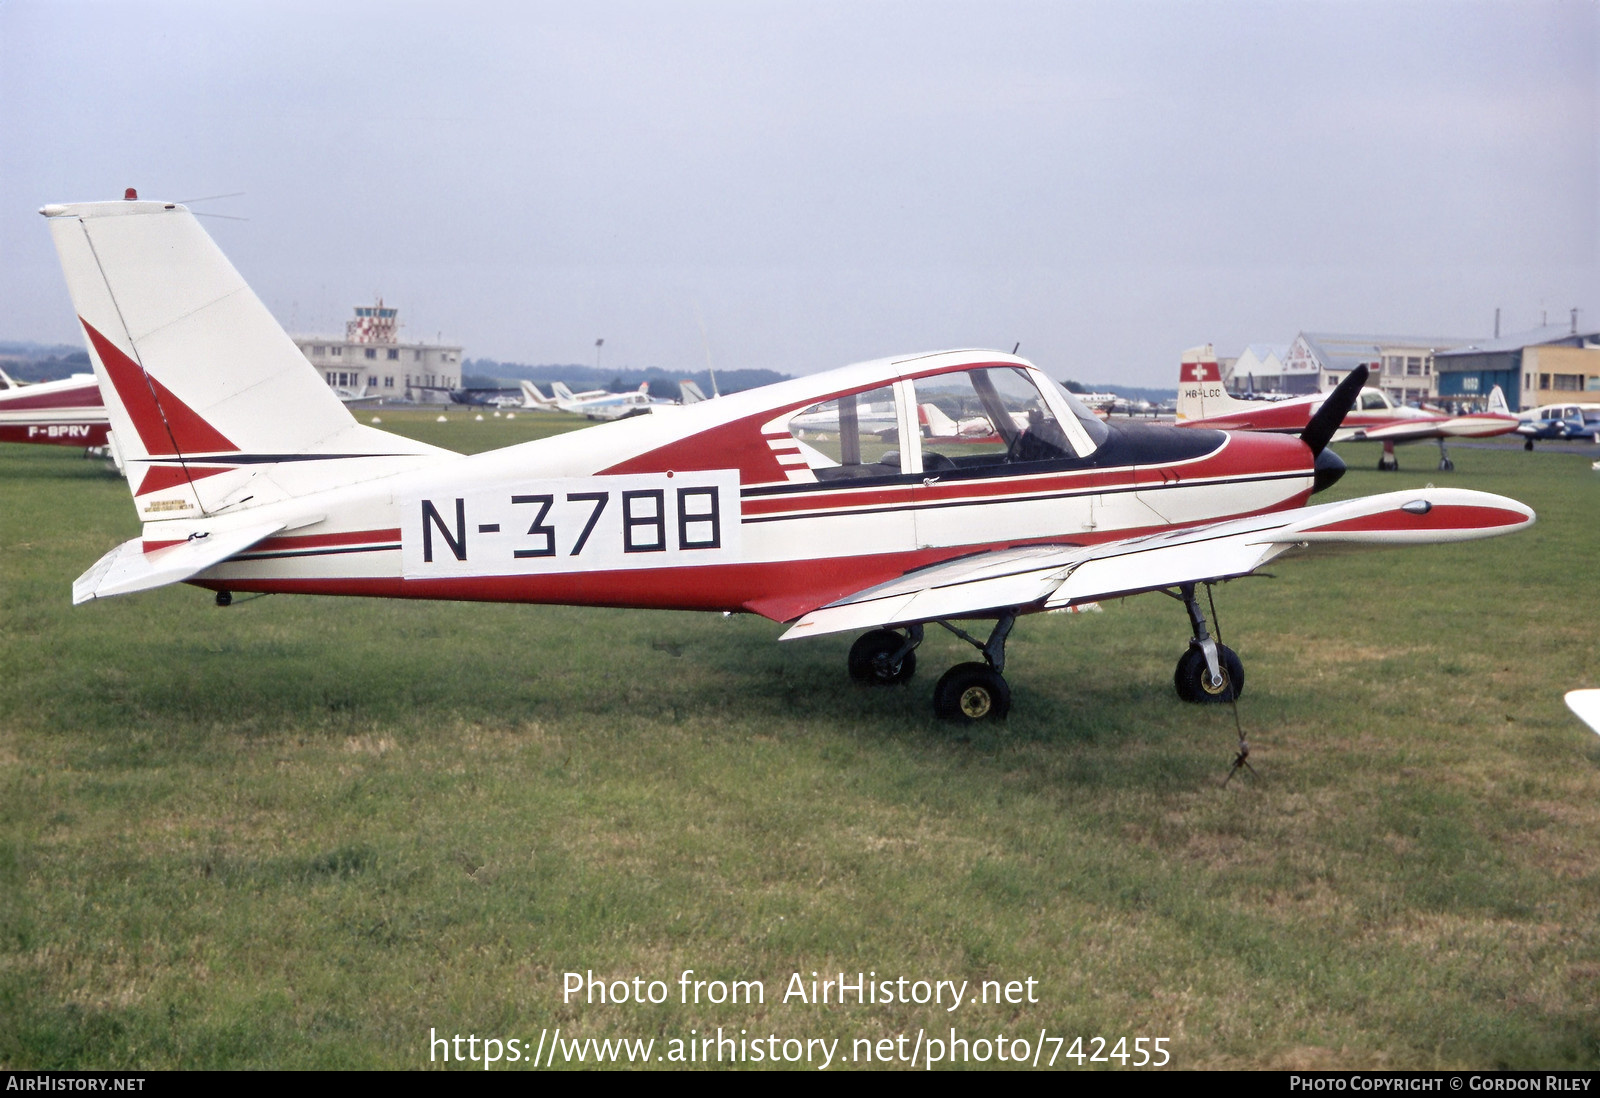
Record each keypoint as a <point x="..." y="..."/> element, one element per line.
<point x="534" y="400"/>
<point x="1204" y="402"/>
<point x="605" y="405"/>
<point x="249" y="475"/>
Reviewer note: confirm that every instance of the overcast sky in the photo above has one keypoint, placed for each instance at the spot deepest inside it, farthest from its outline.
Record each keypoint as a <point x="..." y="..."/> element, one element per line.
<point x="811" y="184"/>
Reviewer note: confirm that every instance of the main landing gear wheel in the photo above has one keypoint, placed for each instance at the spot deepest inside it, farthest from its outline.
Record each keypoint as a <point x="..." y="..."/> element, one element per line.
<point x="1446" y="465"/>
<point x="971" y="692"/>
<point x="873" y="659"/>
<point x="1193" y="678"/>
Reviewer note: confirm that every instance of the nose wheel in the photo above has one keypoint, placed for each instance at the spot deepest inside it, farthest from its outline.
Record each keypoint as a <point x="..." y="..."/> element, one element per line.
<point x="1194" y="680"/>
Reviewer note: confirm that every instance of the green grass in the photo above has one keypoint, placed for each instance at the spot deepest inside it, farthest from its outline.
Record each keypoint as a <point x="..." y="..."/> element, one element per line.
<point x="300" y="832"/>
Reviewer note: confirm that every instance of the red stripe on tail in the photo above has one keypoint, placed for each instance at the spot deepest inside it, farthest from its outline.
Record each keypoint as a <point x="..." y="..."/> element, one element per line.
<point x="167" y="426"/>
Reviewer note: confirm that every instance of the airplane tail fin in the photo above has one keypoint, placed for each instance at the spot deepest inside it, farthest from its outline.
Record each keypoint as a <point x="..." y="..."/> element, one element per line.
<point x="6" y="382"/>
<point x="1497" y="402"/>
<point x="939" y="425"/>
<point x="213" y="406"/>
<point x="1200" y="390"/>
<point x="689" y="392"/>
<point x="561" y="391"/>
<point x="533" y="398"/>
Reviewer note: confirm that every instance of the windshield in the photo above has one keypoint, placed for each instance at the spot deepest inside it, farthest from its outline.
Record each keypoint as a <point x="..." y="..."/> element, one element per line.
<point x="1092" y="425"/>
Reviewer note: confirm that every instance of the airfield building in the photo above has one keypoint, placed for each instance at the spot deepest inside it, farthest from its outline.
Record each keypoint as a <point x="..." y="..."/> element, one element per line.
<point x="1402" y="366"/>
<point x="371" y="361"/>
<point x="1545" y="366"/>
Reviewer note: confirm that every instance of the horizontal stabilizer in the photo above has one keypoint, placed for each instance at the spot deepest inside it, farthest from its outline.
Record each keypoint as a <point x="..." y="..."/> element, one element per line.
<point x="128" y="568"/>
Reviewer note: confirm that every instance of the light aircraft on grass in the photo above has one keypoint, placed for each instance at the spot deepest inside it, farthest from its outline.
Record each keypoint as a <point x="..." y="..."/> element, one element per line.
<point x="68" y="412"/>
<point x="1567" y="422"/>
<point x="1204" y="402"/>
<point x="601" y="404"/>
<point x="249" y="475"/>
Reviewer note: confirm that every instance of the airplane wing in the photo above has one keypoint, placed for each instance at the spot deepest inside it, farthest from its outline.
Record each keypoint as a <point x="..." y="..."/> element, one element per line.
<point x="128" y="568"/>
<point x="1053" y="576"/>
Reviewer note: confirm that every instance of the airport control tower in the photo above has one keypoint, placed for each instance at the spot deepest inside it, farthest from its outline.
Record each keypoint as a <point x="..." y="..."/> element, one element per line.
<point x="371" y="363"/>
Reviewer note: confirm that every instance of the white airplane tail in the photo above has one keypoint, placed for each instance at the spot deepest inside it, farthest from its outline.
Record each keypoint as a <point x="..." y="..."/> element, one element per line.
<point x="1497" y="402"/>
<point x="938" y="424"/>
<point x="533" y="398"/>
<point x="562" y="393"/>
<point x="689" y="392"/>
<point x="213" y="406"/>
<point x="1201" y="393"/>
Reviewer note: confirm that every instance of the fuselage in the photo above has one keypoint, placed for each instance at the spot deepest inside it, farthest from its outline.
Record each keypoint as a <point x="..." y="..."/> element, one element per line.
<point x="729" y="505"/>
<point x="68" y="412"/>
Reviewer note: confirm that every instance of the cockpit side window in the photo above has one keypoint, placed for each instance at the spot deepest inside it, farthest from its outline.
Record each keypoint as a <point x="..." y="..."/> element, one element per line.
<point x="852" y="436"/>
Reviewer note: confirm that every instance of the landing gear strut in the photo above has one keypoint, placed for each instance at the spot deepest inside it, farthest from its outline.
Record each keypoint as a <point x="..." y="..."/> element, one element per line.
<point x="1445" y="464"/>
<point x="1388" y="463"/>
<point x="1208" y="671"/>
<point x="1211" y="672"/>
<point x="968" y="692"/>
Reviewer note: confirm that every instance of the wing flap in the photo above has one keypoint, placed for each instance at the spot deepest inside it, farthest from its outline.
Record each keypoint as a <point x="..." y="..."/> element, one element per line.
<point x="128" y="568"/>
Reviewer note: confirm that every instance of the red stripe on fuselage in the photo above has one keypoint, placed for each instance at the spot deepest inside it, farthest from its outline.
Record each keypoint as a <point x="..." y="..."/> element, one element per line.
<point x="78" y="398"/>
<point x="307" y="541"/>
<point x="780" y="590"/>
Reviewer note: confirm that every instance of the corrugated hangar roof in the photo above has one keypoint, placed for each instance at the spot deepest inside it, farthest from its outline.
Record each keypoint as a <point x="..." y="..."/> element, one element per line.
<point x="1535" y="337"/>
<point x="1340" y="351"/>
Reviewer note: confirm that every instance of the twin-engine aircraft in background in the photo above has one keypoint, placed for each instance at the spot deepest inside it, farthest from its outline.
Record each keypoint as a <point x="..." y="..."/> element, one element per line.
<point x="249" y="475"/>
<point x="68" y="412"/>
<point x="1204" y="402"/>
<point x="601" y="404"/>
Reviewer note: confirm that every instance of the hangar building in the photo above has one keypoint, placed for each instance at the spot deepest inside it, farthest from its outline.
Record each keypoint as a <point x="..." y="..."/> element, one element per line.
<point x="1402" y="366"/>
<point x="370" y="361"/>
<point x="1545" y="366"/>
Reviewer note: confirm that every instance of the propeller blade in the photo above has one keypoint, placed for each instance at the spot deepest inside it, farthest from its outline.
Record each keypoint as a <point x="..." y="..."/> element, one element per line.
<point x="1322" y="426"/>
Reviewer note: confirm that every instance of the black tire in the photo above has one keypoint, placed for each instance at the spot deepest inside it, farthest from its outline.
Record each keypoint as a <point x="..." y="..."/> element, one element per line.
<point x="870" y="659"/>
<point x="1193" y="680"/>
<point x="1528" y="445"/>
<point x="971" y="692"/>
<point x="1447" y="466"/>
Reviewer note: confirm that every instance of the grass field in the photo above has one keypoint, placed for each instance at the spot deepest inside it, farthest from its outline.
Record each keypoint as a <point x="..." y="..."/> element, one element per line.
<point x="305" y="832"/>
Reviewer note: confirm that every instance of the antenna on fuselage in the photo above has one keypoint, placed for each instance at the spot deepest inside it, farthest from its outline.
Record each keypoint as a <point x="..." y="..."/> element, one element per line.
<point x="705" y="341"/>
<point x="1015" y="346"/>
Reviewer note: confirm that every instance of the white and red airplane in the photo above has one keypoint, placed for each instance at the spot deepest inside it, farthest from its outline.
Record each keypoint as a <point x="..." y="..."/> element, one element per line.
<point x="68" y="412"/>
<point x="1204" y="402"/>
<point x="249" y="475"/>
